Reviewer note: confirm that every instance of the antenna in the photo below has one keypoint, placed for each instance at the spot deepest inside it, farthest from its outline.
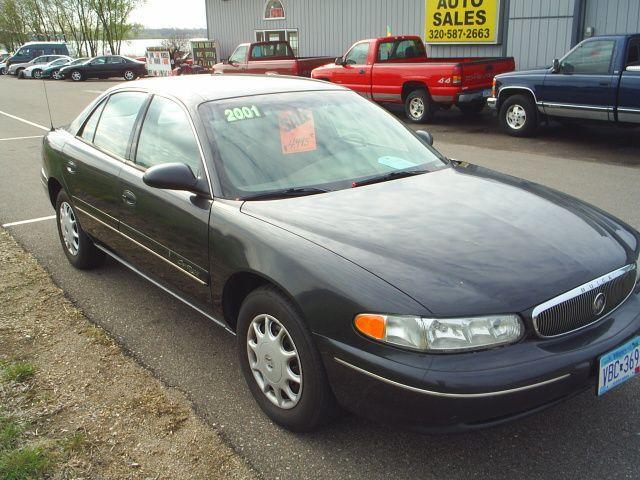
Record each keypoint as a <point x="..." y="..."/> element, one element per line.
<point x="44" y="86"/>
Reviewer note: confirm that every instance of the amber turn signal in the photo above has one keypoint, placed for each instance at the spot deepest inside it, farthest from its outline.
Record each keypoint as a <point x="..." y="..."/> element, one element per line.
<point x="371" y="325"/>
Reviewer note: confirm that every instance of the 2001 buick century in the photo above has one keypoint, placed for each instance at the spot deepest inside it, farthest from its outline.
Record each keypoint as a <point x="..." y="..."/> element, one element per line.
<point x="356" y="265"/>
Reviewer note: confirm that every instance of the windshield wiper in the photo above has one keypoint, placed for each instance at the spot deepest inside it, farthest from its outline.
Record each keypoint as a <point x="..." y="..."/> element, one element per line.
<point x="389" y="176"/>
<point x="286" y="193"/>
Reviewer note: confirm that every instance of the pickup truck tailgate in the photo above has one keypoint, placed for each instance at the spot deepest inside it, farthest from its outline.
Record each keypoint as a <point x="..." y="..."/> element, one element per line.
<point x="479" y="74"/>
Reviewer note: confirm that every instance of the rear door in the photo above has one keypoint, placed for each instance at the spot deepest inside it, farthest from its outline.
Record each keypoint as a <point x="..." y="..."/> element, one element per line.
<point x="115" y="66"/>
<point x="629" y="95"/>
<point x="93" y="161"/>
<point x="355" y="73"/>
<point x="168" y="229"/>
<point x="585" y="86"/>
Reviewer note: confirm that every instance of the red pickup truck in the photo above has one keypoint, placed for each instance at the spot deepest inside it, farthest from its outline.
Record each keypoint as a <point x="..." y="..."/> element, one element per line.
<point x="269" y="57"/>
<point x="397" y="70"/>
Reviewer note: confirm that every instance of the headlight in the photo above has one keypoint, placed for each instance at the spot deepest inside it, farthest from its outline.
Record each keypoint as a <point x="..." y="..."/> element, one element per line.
<point x="441" y="335"/>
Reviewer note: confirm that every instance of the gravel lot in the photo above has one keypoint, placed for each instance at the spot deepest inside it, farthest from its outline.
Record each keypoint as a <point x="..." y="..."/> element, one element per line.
<point x="587" y="438"/>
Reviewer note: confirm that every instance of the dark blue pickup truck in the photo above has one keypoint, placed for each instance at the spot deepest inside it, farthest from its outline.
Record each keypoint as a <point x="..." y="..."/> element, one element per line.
<point x="598" y="80"/>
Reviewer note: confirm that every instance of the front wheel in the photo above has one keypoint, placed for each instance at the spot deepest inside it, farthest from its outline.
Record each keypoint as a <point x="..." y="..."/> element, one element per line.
<point x="3" y="70"/>
<point x="77" y="246"/>
<point x="281" y="363"/>
<point x="77" y="76"/>
<point x="129" y="75"/>
<point x="519" y="116"/>
<point x="37" y="73"/>
<point x="418" y="107"/>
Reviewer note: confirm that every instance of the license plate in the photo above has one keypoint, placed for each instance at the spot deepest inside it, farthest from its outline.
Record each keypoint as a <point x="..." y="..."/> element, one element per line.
<point x="486" y="93"/>
<point x="619" y="365"/>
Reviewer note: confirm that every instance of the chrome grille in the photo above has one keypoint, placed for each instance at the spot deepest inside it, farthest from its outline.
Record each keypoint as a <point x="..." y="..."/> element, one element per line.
<point x="576" y="309"/>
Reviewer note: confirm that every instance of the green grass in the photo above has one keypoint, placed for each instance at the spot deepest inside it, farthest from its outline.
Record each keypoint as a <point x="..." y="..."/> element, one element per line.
<point x="75" y="443"/>
<point x="18" y="371"/>
<point x="23" y="463"/>
<point x="9" y="433"/>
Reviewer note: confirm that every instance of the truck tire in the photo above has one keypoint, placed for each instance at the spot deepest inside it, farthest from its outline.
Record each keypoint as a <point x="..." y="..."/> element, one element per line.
<point x="519" y="116"/>
<point x="418" y="107"/>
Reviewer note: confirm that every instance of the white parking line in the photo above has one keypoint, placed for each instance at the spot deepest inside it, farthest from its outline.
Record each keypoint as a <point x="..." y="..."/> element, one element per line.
<point x="19" y="138"/>
<point x="41" y="127"/>
<point x="33" y="220"/>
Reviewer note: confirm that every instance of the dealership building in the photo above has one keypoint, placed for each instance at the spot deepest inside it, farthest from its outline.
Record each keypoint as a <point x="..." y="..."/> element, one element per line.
<point x="533" y="31"/>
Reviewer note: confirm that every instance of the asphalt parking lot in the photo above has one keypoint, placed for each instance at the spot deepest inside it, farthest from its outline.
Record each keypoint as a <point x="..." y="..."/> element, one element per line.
<point x="588" y="437"/>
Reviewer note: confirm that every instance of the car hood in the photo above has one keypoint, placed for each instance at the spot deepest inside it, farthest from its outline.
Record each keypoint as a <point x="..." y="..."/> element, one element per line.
<point x="519" y="73"/>
<point x="461" y="241"/>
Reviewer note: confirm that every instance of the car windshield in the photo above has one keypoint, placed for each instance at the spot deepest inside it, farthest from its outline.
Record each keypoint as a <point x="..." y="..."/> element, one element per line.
<point x="322" y="140"/>
<point x="79" y="61"/>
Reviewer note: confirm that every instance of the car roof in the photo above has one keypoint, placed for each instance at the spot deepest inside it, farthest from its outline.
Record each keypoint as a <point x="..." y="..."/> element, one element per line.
<point x="195" y="89"/>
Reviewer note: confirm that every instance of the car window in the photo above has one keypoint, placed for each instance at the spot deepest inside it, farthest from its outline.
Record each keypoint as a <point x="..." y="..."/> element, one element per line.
<point x="270" y="50"/>
<point x="400" y="49"/>
<point x="60" y="61"/>
<point x="633" y="57"/>
<point x="167" y="137"/>
<point x="115" y="60"/>
<point x="240" y="54"/>
<point x="590" y="58"/>
<point x="39" y="60"/>
<point x="24" y="51"/>
<point x="117" y="120"/>
<point x="99" y="61"/>
<point x="89" y="129"/>
<point x="358" y="54"/>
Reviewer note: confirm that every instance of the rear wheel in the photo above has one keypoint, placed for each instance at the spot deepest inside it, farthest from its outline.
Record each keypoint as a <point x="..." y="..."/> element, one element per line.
<point x="20" y="73"/>
<point x="3" y="70"/>
<point x="129" y="75"/>
<point x="418" y="106"/>
<point x="37" y="73"/>
<point x="519" y="116"/>
<point x="281" y="363"/>
<point x="56" y="75"/>
<point x="77" y="246"/>
<point x="77" y="76"/>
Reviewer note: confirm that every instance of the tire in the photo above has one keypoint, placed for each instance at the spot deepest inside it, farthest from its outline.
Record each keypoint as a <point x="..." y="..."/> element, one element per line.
<point x="37" y="74"/>
<point x="471" y="108"/>
<point x="76" y="76"/>
<point x="56" y="75"/>
<point x="418" y="107"/>
<point x="312" y="403"/>
<point x="20" y="73"/>
<point x="3" y="71"/>
<point x="77" y="246"/>
<point x="519" y="116"/>
<point x="129" y="75"/>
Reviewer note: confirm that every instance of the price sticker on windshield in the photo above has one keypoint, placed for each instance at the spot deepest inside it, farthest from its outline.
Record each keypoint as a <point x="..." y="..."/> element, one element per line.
<point x="297" y="131"/>
<point x="242" y="113"/>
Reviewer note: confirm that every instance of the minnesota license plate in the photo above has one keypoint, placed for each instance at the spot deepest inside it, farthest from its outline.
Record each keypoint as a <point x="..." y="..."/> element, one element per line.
<point x="486" y="93"/>
<point x="619" y="365"/>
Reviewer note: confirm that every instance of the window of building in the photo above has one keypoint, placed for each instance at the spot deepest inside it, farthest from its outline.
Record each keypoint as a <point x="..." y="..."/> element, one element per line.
<point x="290" y="36"/>
<point x="274" y="10"/>
<point x="590" y="58"/>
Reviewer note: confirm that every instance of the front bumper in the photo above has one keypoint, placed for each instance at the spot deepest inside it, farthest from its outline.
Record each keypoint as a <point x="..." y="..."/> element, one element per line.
<point x="475" y="390"/>
<point x="492" y="103"/>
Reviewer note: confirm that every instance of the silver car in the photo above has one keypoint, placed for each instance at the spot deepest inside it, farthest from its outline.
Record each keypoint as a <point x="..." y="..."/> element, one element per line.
<point x="17" y="68"/>
<point x="45" y="71"/>
<point x="3" y="68"/>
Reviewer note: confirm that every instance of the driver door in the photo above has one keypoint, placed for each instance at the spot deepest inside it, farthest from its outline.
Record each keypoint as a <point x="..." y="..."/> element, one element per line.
<point x="237" y="60"/>
<point x="585" y="86"/>
<point x="355" y="73"/>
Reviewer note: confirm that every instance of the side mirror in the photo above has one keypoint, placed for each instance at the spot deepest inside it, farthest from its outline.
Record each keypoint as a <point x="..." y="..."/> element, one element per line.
<point x="556" y="65"/>
<point x="174" y="176"/>
<point x="340" y="61"/>
<point x="425" y="136"/>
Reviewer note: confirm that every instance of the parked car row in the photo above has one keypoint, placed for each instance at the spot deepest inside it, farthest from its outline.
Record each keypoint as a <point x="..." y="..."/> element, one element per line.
<point x="52" y="60"/>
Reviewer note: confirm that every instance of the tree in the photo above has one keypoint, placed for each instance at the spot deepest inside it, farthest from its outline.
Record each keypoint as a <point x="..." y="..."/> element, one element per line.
<point x="177" y="44"/>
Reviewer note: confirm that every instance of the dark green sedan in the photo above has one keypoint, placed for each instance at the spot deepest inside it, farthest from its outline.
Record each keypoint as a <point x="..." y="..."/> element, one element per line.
<point x="355" y="264"/>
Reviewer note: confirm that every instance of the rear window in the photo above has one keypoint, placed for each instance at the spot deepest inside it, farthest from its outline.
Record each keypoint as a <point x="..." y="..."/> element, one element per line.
<point x="401" y="50"/>
<point x="270" y="50"/>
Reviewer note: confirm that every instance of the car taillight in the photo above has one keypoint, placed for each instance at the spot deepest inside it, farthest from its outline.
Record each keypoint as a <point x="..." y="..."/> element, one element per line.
<point x="456" y="78"/>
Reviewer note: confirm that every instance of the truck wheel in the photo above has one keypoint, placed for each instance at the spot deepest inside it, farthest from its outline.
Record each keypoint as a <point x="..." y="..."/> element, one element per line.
<point x="77" y="246"/>
<point x="281" y="363"/>
<point x="418" y="107"/>
<point x="519" y="116"/>
<point x="471" y="108"/>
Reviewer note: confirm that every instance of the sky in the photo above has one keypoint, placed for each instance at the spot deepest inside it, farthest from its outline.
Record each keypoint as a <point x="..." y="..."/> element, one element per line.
<point x="169" y="13"/>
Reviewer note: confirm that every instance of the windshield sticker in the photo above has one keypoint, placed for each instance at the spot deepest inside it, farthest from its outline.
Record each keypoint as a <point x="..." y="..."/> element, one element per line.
<point x="396" y="162"/>
<point x="297" y="131"/>
<point x="242" y="113"/>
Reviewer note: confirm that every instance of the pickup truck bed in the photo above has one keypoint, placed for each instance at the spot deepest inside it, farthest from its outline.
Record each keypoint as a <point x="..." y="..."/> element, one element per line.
<point x="397" y="70"/>
<point x="269" y="58"/>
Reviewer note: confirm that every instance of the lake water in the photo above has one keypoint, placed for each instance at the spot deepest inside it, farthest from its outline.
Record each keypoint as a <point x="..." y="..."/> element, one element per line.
<point x="137" y="48"/>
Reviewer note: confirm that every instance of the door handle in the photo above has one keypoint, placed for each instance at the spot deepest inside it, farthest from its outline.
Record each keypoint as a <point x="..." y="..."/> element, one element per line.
<point x="362" y="72"/>
<point x="71" y="167"/>
<point x="129" y="198"/>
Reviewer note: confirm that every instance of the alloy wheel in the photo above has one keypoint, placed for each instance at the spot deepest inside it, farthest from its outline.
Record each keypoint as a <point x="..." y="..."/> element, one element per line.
<point x="129" y="75"/>
<point x="37" y="73"/>
<point x="56" y="75"/>
<point x="516" y="116"/>
<point x="76" y="76"/>
<point x="274" y="361"/>
<point x="416" y="108"/>
<point x="69" y="228"/>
